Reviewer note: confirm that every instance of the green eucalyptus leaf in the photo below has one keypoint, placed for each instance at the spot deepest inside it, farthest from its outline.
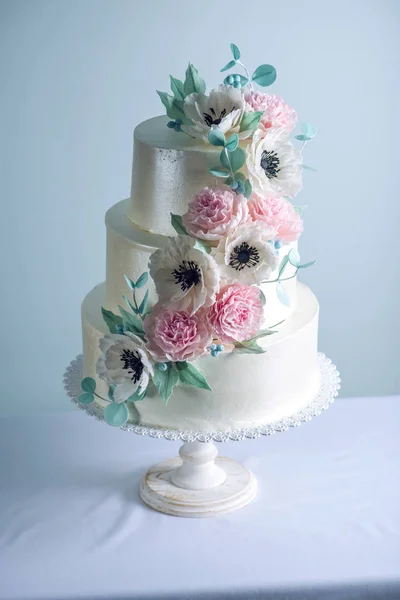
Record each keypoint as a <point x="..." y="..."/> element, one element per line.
<point x="111" y="393"/>
<point x="302" y="137"/>
<point x="223" y="157"/>
<point x="240" y="177"/>
<point x="143" y="304"/>
<point x="294" y="257"/>
<point x="137" y="396"/>
<point x="202" y="246"/>
<point x="130" y="283"/>
<point x="232" y="143"/>
<point x="250" y="120"/>
<point x="143" y="279"/>
<point x="218" y="172"/>
<point x="248" y="190"/>
<point x="282" y="295"/>
<point x="216" y="137"/>
<point x="230" y="64"/>
<point x="111" y="320"/>
<point x="300" y="209"/>
<point x="235" y="51"/>
<point x="237" y="159"/>
<point x="189" y="375"/>
<point x="165" y="381"/>
<point x="306" y="265"/>
<point x="88" y="384"/>
<point x="193" y="82"/>
<point x="309" y="168"/>
<point x="86" y="398"/>
<point x="177" y="88"/>
<point x="282" y="266"/>
<point x="243" y="80"/>
<point x="249" y="347"/>
<point x="177" y="224"/>
<point x="262" y="298"/>
<point x="115" y="414"/>
<point x="264" y="75"/>
<point x="309" y="130"/>
<point x="131" y="322"/>
<point x="130" y="305"/>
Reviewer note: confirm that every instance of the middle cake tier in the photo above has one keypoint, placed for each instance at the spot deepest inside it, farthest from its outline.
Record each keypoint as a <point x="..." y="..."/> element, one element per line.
<point x="129" y="249"/>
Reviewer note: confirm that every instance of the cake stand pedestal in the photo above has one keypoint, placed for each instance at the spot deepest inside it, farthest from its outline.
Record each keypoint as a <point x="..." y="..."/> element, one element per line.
<point x="199" y="483"/>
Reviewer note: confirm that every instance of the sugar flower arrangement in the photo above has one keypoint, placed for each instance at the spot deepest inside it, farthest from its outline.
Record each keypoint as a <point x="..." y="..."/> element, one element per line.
<point x="230" y="241"/>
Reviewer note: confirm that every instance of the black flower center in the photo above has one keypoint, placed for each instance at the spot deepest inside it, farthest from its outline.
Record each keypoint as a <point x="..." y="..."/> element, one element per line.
<point x="211" y="118"/>
<point x="270" y="163"/>
<point x="187" y="274"/>
<point x="244" y="256"/>
<point x="133" y="364"/>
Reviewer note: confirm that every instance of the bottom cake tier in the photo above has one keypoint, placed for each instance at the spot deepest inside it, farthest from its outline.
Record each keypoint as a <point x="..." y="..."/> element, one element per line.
<point x="247" y="389"/>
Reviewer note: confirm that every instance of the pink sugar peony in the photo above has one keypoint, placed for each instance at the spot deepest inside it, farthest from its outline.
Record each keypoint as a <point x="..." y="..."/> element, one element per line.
<point x="276" y="112"/>
<point x="176" y="335"/>
<point x="214" y="212"/>
<point x="278" y="213"/>
<point x="237" y="313"/>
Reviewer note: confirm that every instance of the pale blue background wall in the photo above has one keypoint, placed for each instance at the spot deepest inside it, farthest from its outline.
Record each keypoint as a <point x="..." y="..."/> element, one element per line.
<point x="76" y="76"/>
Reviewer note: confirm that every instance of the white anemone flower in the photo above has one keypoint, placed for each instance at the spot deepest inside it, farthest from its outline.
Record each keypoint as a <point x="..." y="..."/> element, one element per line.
<point x="125" y="363"/>
<point x="222" y="109"/>
<point x="274" y="164"/>
<point x="247" y="255"/>
<point x="184" y="275"/>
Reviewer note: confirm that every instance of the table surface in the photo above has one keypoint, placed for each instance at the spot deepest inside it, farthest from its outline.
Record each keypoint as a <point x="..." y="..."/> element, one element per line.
<point x="325" y="521"/>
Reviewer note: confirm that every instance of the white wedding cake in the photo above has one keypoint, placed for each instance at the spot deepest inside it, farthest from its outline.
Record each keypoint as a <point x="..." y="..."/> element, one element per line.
<point x="201" y="323"/>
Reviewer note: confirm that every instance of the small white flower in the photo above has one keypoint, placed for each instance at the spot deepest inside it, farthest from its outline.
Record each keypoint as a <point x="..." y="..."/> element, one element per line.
<point x="223" y="109"/>
<point x="273" y="163"/>
<point x="246" y="255"/>
<point x="184" y="275"/>
<point x="125" y="363"/>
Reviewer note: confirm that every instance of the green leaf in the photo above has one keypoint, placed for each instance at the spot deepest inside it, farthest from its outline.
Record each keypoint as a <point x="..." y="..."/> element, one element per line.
<point x="237" y="158"/>
<point x="243" y="80"/>
<point x="111" y="393"/>
<point x="115" y="414"/>
<point x="165" y="381"/>
<point x="249" y="347"/>
<point x="88" y="384"/>
<point x="218" y="172"/>
<point x="302" y="137"/>
<point x="143" y="279"/>
<point x="86" y="398"/>
<point x="111" y="320"/>
<point x="281" y="293"/>
<point x="232" y="143"/>
<point x="235" y="51"/>
<point x="241" y="177"/>
<point x="248" y="190"/>
<point x="262" y="298"/>
<point x="309" y="168"/>
<point x="250" y="120"/>
<point x="216" y="137"/>
<point x="130" y="283"/>
<point x="202" y="246"/>
<point x="309" y="130"/>
<point x="294" y="257"/>
<point x="189" y="375"/>
<point x="306" y="265"/>
<point x="230" y="64"/>
<point x="137" y="396"/>
<point x="224" y="159"/>
<point x="131" y="322"/>
<point x="193" y="81"/>
<point x="300" y="209"/>
<point x="177" y="88"/>
<point x="264" y="75"/>
<point x="262" y="333"/>
<point x="282" y="266"/>
<point x="143" y="304"/>
<point x="130" y="305"/>
<point x="177" y="224"/>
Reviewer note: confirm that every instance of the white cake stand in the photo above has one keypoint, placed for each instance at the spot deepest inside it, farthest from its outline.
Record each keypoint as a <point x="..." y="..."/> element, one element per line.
<point x="199" y="483"/>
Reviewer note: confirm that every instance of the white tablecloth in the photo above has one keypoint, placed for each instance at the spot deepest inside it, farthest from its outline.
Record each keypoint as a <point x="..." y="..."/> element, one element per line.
<point x="325" y="524"/>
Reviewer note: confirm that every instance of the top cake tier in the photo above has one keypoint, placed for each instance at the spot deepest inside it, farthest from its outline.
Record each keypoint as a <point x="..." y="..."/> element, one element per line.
<point x="168" y="169"/>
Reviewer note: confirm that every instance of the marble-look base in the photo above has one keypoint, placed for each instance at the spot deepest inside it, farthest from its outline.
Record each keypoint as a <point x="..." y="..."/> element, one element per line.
<point x="198" y="484"/>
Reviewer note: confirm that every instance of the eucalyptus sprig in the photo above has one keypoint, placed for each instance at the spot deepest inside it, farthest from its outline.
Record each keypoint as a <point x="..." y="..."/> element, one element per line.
<point x="293" y="258"/>
<point x="232" y="159"/>
<point x="264" y="75"/>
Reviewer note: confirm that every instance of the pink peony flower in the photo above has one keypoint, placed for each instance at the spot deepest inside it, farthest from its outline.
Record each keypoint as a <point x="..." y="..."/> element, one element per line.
<point x="278" y="213"/>
<point x="176" y="335"/>
<point x="214" y="212"/>
<point x="237" y="313"/>
<point x="276" y="112"/>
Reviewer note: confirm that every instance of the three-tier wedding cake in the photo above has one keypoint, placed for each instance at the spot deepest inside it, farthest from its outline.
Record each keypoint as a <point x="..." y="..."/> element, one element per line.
<point x="201" y="323"/>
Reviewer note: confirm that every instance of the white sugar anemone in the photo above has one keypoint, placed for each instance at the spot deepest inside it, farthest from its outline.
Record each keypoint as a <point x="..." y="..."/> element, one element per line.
<point x="247" y="254"/>
<point x="183" y="275"/>
<point x="125" y="363"/>
<point x="274" y="164"/>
